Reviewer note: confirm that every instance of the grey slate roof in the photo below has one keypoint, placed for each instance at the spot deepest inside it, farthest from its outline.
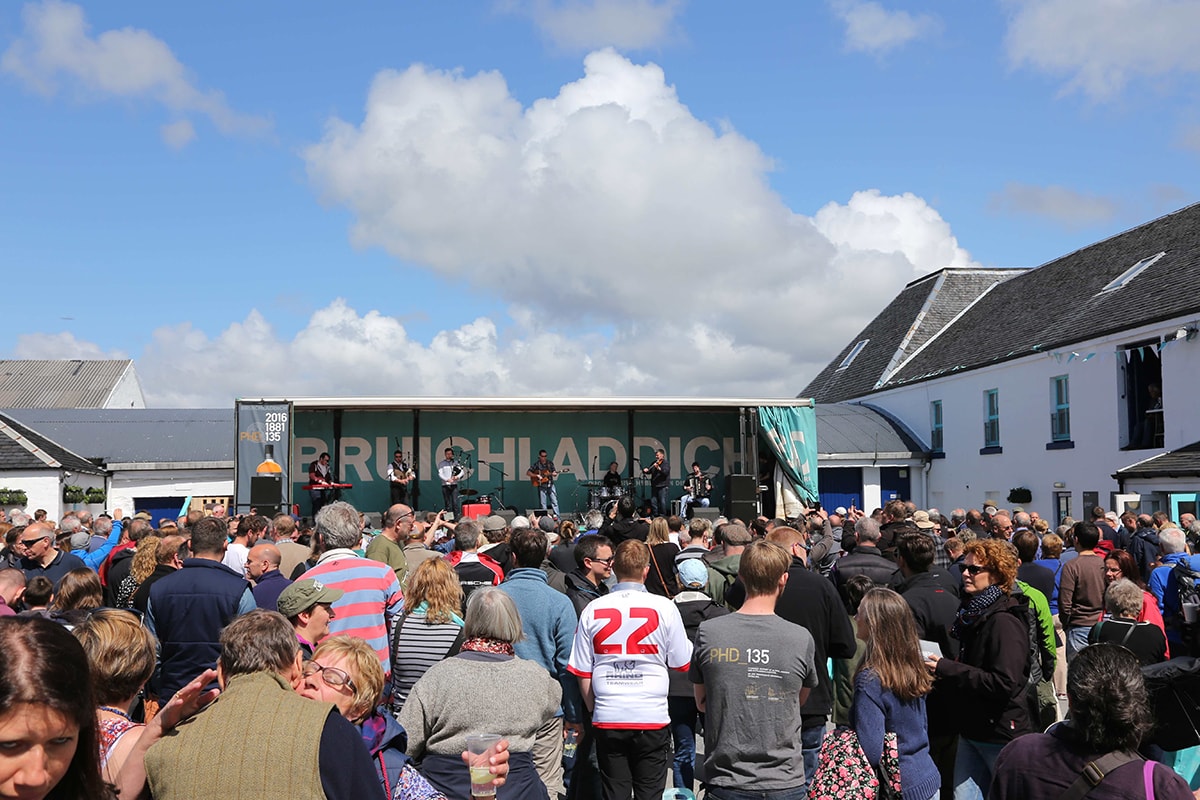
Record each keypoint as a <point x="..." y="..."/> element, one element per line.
<point x="59" y="383"/>
<point x="847" y="429"/>
<point x="1181" y="463"/>
<point x="925" y="307"/>
<point x="1051" y="307"/>
<point x="139" y="435"/>
<point x="22" y="448"/>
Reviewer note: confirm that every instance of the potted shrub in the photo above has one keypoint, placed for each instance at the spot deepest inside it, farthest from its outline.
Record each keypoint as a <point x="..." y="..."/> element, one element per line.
<point x="94" y="496"/>
<point x="13" y="497"/>
<point x="73" y="494"/>
<point x="1020" y="495"/>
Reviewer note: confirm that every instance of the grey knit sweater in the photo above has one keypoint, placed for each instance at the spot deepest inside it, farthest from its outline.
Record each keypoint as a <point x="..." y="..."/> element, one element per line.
<point x="463" y="695"/>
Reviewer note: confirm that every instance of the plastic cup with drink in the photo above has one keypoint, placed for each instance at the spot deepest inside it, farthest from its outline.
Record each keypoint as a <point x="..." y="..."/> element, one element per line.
<point x="480" y="748"/>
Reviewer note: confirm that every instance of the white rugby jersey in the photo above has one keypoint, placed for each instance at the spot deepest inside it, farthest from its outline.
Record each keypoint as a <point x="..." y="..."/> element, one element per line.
<point x="626" y="642"/>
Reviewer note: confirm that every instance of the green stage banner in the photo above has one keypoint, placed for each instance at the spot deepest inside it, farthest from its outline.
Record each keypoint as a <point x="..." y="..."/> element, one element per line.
<point x="792" y="434"/>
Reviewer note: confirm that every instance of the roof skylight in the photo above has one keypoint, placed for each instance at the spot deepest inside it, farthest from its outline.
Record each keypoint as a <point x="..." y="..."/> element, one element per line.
<point x="1131" y="273"/>
<point x="858" y="348"/>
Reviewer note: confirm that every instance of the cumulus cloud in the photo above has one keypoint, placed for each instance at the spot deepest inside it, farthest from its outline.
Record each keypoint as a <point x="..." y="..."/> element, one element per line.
<point x="56" y="49"/>
<point x="871" y="28"/>
<point x="588" y="24"/>
<point x="178" y="134"/>
<point x="60" y="345"/>
<point x="1058" y="204"/>
<point x="637" y="251"/>
<point x="1100" y="46"/>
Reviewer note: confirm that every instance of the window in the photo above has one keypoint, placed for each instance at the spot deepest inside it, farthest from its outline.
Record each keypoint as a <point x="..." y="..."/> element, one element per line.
<point x="991" y="418"/>
<point x="1060" y="409"/>
<point x="935" y="426"/>
<point x="858" y="348"/>
<point x="1131" y="273"/>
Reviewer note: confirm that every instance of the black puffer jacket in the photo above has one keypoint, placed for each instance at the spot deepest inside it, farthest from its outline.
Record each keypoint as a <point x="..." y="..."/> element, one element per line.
<point x="988" y="682"/>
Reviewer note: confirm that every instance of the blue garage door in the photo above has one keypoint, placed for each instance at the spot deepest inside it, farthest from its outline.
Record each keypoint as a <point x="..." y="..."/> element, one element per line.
<point x="158" y="507"/>
<point x="840" y="486"/>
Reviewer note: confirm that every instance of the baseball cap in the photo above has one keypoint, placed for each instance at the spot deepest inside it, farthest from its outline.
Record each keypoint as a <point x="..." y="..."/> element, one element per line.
<point x="547" y="525"/>
<point x="303" y="595"/>
<point x="693" y="572"/>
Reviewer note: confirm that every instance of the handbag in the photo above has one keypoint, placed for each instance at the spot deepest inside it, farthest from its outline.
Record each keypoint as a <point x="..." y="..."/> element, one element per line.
<point x="843" y="770"/>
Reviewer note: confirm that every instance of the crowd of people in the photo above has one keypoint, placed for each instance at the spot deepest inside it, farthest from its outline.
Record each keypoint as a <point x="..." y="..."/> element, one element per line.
<point x="903" y="651"/>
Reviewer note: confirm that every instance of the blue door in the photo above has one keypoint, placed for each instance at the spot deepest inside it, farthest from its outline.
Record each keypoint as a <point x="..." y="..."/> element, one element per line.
<point x="895" y="483"/>
<point x="840" y="486"/>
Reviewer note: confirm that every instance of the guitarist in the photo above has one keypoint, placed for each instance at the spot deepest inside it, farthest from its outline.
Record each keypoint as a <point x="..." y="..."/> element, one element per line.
<point x="542" y="474"/>
<point x="399" y="476"/>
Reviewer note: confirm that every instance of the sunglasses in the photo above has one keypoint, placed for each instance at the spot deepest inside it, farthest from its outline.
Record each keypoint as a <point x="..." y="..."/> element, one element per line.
<point x="32" y="542"/>
<point x="331" y="675"/>
<point x="605" y="561"/>
<point x="974" y="569"/>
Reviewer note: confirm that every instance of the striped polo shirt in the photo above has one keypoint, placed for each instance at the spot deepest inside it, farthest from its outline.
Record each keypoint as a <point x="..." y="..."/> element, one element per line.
<point x="372" y="596"/>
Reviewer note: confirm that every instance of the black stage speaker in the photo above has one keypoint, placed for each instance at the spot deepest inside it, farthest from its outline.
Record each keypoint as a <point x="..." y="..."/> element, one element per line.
<point x="506" y="513"/>
<point x="711" y="514"/>
<point x="741" y="489"/>
<point x="740" y="509"/>
<point x="266" y="491"/>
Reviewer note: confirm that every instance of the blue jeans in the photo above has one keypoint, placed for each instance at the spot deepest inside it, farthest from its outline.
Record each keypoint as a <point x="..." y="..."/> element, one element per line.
<point x="973" y="768"/>
<point x="1077" y="639"/>
<point x="717" y="793"/>
<point x="548" y="497"/>
<point x="810" y="743"/>
<point x="659" y="502"/>
<point x="687" y="501"/>
<point x="683" y="735"/>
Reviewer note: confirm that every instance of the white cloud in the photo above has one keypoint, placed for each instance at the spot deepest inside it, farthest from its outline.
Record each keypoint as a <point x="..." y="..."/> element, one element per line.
<point x="871" y="28"/>
<point x="640" y="252"/>
<point x="588" y="24"/>
<point x="60" y="345"/>
<point x="1101" y="45"/>
<point x="1059" y="204"/>
<point x="178" y="134"/>
<point x="56" y="49"/>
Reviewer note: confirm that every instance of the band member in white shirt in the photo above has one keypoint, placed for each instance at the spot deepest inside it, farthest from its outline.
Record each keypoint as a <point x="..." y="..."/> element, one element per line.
<point x="449" y="471"/>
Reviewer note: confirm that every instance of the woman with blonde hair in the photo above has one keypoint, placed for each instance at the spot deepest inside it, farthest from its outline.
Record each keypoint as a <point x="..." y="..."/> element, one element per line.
<point x="430" y="629"/>
<point x="121" y="656"/>
<point x="661" y="579"/>
<point x="889" y="692"/>
<point x="345" y="671"/>
<point x="145" y="559"/>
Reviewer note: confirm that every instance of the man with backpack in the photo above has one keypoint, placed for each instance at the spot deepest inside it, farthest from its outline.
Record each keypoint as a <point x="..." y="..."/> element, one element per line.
<point x="1175" y="584"/>
<point x="1143" y="544"/>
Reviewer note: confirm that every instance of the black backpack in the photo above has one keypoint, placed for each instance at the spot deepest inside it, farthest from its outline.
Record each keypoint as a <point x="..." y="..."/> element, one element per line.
<point x="1188" y="581"/>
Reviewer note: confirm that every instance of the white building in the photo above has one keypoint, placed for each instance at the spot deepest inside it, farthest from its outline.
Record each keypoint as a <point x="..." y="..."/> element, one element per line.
<point x="1045" y="379"/>
<point x="70" y="383"/>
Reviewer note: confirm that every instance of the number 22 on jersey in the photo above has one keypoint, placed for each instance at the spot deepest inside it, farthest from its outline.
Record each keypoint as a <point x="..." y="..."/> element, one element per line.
<point x="607" y="640"/>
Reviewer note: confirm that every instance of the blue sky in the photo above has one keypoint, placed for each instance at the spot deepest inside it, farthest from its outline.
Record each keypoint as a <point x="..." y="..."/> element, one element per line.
<point x="549" y="197"/>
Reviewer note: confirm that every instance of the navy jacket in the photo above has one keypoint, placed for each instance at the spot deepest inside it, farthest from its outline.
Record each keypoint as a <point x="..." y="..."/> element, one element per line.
<point x="187" y="611"/>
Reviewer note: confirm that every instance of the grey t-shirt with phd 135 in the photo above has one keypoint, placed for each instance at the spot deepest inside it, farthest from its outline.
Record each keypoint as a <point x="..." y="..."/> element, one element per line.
<point x="753" y="668"/>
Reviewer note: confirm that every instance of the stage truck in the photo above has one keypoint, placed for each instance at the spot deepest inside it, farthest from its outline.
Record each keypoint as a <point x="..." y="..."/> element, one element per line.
<point x="760" y="454"/>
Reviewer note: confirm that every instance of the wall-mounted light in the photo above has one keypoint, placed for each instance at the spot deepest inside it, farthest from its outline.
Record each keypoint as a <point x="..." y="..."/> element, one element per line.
<point x="1059" y="485"/>
<point x="1187" y="333"/>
